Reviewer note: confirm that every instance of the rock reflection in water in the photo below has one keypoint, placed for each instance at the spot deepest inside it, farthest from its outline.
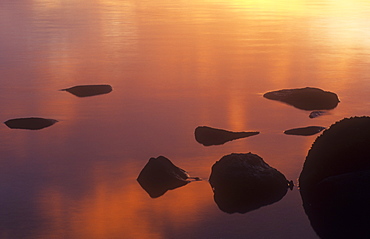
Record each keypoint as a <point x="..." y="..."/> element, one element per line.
<point x="32" y="123"/>
<point x="160" y="175"/>
<point x="89" y="90"/>
<point x="244" y="182"/>
<point x="305" y="131"/>
<point x="210" y="136"/>
<point x="305" y="98"/>
<point x="335" y="181"/>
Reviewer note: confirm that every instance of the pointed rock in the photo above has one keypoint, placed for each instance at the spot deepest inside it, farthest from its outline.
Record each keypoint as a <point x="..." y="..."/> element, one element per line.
<point x="160" y="175"/>
<point x="305" y="131"/>
<point x="89" y="90"/>
<point x="210" y="136"/>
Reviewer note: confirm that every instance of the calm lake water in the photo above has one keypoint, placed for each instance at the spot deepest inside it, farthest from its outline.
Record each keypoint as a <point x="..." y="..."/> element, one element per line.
<point x="173" y="66"/>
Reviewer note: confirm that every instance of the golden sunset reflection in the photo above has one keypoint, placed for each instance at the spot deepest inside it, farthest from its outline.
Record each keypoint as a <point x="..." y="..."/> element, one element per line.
<point x="115" y="208"/>
<point x="173" y="66"/>
<point x="237" y="115"/>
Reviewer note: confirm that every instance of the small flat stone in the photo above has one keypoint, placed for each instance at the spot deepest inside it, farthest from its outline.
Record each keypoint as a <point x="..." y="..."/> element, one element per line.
<point x="89" y="90"/>
<point x="317" y="113"/>
<point x="32" y="123"/>
<point x="305" y="131"/>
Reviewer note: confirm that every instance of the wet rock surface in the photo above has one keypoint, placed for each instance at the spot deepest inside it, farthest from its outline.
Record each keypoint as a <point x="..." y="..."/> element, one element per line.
<point x="211" y="136"/>
<point x="160" y="175"/>
<point x="244" y="182"/>
<point x="32" y="123"/>
<point x="89" y="90"/>
<point x="343" y="148"/>
<point x="305" y="131"/>
<point x="317" y="113"/>
<point x="335" y="180"/>
<point x="305" y="98"/>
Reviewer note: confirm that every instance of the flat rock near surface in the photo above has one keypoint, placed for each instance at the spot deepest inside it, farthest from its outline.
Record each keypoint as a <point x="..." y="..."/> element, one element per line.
<point x="305" y="131"/>
<point x="211" y="136"/>
<point x="244" y="182"/>
<point x="89" y="90"/>
<point x="32" y="123"/>
<point x="305" y="98"/>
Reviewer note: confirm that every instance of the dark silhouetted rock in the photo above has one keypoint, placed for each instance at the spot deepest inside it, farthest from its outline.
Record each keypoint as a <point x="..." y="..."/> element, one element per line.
<point x="338" y="207"/>
<point x="160" y="175"/>
<point x="317" y="113"/>
<point x="210" y="136"/>
<point x="32" y="123"/>
<point x="343" y="148"/>
<point x="89" y="90"/>
<point x="244" y="182"/>
<point x="305" y="98"/>
<point x="305" y="131"/>
<point x="335" y="181"/>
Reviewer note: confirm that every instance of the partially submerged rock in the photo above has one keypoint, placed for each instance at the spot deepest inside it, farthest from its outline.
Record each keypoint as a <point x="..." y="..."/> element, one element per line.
<point x="160" y="175"/>
<point x="343" y="148"/>
<point x="334" y="182"/>
<point x="244" y="182"/>
<point x="339" y="206"/>
<point x="89" y="90"/>
<point x="210" y="136"/>
<point x="305" y="131"/>
<point x="32" y="123"/>
<point x="317" y="113"/>
<point x="305" y="98"/>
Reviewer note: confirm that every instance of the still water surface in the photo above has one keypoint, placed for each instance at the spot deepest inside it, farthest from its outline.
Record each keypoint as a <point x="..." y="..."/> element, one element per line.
<point x="173" y="66"/>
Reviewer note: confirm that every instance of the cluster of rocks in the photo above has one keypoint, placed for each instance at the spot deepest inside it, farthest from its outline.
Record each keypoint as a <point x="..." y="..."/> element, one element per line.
<point x="241" y="182"/>
<point x="37" y="123"/>
<point x="334" y="182"/>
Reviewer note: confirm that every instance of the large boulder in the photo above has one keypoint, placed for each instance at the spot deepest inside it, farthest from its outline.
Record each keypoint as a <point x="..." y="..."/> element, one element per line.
<point x="210" y="136"/>
<point x="335" y="179"/>
<point x="305" y="98"/>
<point x="160" y="175"/>
<point x="343" y="148"/>
<point x="244" y="182"/>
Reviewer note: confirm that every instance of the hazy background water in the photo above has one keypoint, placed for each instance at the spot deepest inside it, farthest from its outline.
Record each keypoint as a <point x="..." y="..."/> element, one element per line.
<point x="173" y="66"/>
